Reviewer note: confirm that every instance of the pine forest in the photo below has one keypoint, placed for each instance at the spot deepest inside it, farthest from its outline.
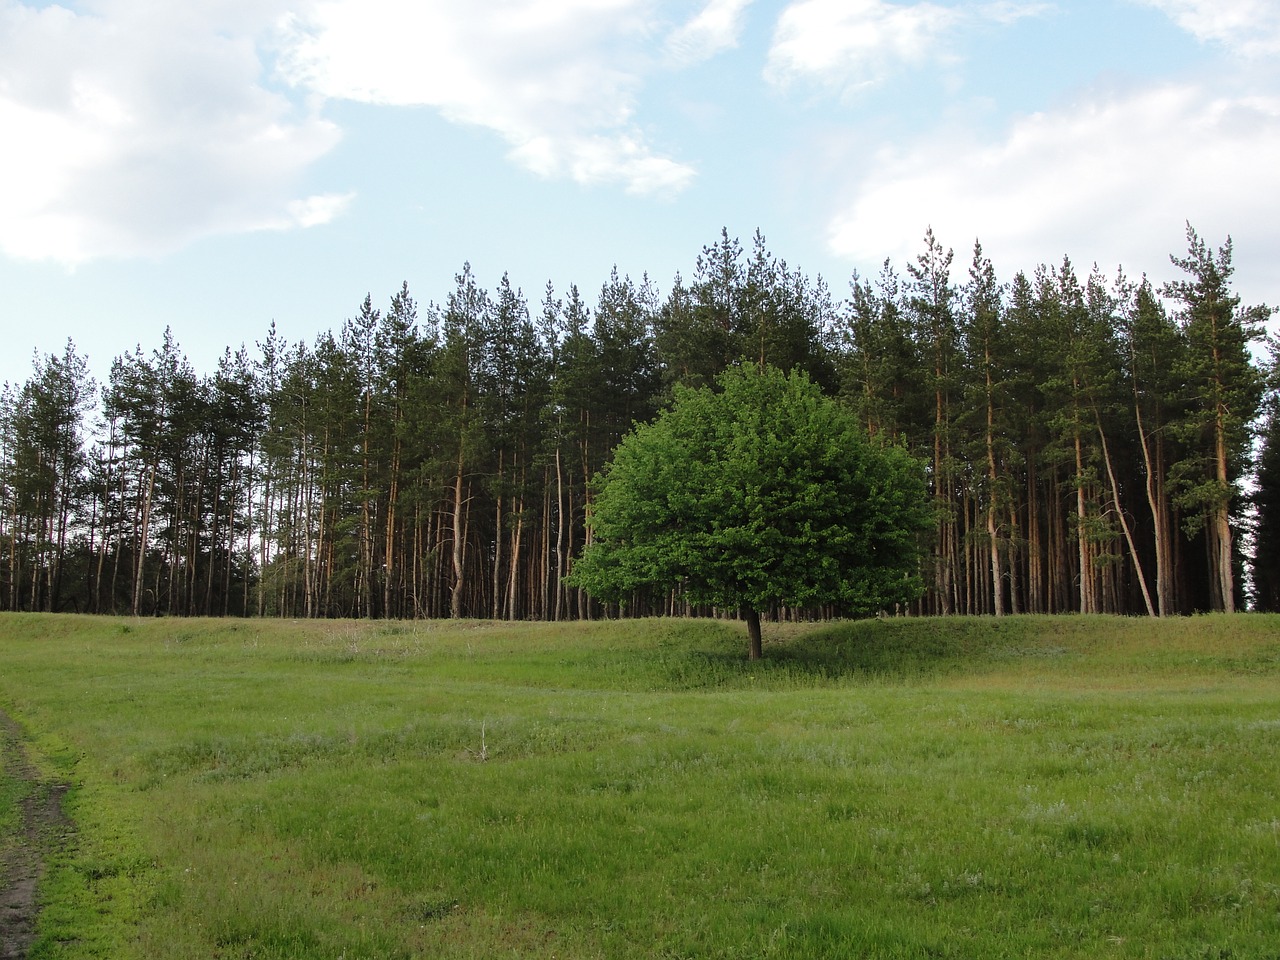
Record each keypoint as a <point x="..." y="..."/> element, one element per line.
<point x="1093" y="443"/>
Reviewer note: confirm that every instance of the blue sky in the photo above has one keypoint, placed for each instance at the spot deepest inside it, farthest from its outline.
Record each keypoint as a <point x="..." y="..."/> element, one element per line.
<point x="215" y="166"/>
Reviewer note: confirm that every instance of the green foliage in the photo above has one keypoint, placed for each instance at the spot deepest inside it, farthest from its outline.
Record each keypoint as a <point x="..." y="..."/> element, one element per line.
<point x="758" y="494"/>
<point x="1075" y="431"/>
<point x="744" y="308"/>
<point x="879" y="361"/>
<point x="1266" y="558"/>
<point x="1223" y="385"/>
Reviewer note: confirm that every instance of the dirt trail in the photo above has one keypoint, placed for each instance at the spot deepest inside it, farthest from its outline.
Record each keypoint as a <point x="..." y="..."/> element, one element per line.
<point x="22" y="854"/>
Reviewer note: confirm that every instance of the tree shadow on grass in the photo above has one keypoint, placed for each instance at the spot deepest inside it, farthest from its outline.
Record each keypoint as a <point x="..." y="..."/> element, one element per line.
<point x="806" y="655"/>
<point x="890" y="649"/>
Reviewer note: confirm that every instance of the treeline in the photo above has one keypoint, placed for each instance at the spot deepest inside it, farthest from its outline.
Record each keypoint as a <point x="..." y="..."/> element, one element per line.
<point x="1087" y="438"/>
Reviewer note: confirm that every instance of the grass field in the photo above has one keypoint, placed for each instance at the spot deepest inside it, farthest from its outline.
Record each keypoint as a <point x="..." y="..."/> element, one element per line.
<point x="1030" y="787"/>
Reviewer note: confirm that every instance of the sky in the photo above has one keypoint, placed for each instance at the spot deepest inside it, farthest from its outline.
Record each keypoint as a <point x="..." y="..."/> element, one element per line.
<point x="214" y="167"/>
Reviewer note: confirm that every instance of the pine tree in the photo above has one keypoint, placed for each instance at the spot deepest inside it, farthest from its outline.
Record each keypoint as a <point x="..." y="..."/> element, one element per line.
<point x="1266" y="497"/>
<point x="463" y="322"/>
<point x="1266" y="555"/>
<point x="44" y="475"/>
<point x="879" y="365"/>
<point x="1153" y="349"/>
<point x="986" y="355"/>
<point x="931" y="302"/>
<point x="1224" y="394"/>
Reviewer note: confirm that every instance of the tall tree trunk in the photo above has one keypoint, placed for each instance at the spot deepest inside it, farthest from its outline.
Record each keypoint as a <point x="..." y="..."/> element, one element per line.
<point x="755" y="645"/>
<point x="513" y="581"/>
<point x="305" y="519"/>
<point x="1153" y="467"/>
<point x="1221" y="522"/>
<point x="142" y="537"/>
<point x="365" y="592"/>
<point x="993" y="527"/>
<point x="1124" y="523"/>
<point x="1058" y="594"/>
<point x="1015" y="587"/>
<point x="1035" y="550"/>
<point x="942" y="575"/>
<point x="459" y="573"/>
<point x="496" y="606"/>
<point x="1088" y="595"/>
<point x="389" y="557"/>
<point x="560" y="540"/>
<point x="268" y="494"/>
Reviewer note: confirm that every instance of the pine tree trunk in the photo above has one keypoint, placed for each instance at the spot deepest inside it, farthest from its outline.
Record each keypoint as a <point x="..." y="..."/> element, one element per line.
<point x="993" y="529"/>
<point x="1035" y="550"/>
<point x="496" y="603"/>
<point x="268" y="493"/>
<point x="1221" y="523"/>
<point x="1124" y="523"/>
<point x="1088" y="595"/>
<point x="142" y="537"/>
<point x="513" y="580"/>
<point x="1015" y="587"/>
<point x="388" y="553"/>
<point x="560" y="540"/>
<point x="1152" y="463"/>
<point x="306" y="508"/>
<point x="459" y="574"/>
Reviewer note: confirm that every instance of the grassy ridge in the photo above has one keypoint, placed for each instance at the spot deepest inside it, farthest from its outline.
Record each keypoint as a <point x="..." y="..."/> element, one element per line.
<point x="1049" y="787"/>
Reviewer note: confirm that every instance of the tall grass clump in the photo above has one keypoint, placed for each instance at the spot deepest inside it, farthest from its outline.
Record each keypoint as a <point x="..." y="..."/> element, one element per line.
<point x="1030" y="786"/>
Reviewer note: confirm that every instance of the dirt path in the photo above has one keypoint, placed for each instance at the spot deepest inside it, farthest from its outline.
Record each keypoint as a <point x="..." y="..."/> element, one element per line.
<point x="42" y="824"/>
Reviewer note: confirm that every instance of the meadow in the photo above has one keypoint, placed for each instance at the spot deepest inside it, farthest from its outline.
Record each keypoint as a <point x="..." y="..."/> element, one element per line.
<point x="1027" y="787"/>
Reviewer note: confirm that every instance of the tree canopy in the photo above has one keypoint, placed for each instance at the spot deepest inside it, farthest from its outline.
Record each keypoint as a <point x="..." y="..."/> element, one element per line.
<point x="1088" y="441"/>
<point x="758" y="493"/>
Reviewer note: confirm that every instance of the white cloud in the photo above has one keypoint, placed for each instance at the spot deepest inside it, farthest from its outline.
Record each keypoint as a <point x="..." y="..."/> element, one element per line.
<point x="316" y="211"/>
<point x="715" y="29"/>
<point x="137" y="128"/>
<point x="1112" y="180"/>
<point x="1248" y="27"/>
<point x="1006" y="12"/>
<point x="556" y="79"/>
<point x="853" y="44"/>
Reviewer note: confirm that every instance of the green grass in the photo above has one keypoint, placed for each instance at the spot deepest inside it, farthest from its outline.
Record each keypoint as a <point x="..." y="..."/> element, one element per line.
<point x="1030" y="787"/>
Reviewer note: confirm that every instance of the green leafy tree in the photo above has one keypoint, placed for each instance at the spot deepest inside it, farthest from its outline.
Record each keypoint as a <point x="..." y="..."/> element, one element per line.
<point x="759" y="494"/>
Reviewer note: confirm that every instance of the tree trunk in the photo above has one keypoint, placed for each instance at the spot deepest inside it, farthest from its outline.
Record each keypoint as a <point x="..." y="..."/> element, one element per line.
<point x="1152" y="464"/>
<point x="1124" y="523"/>
<point x="755" y="648"/>
<point x="1036" y="601"/>
<point x="1015" y="596"/>
<point x="496" y="605"/>
<point x="1088" y="596"/>
<point x="389" y="594"/>
<point x="993" y="531"/>
<point x="455" y="598"/>
<point x="1221" y="522"/>
<point x="142" y="538"/>
<point x="560" y="540"/>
